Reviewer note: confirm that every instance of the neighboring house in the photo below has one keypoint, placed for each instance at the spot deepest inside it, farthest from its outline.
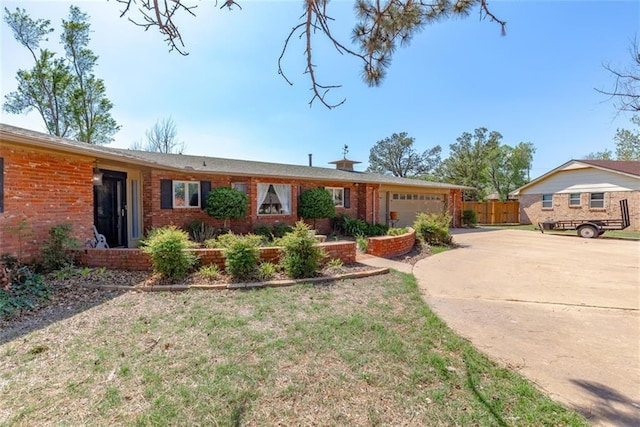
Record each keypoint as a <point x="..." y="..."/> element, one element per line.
<point x="46" y="181"/>
<point x="583" y="189"/>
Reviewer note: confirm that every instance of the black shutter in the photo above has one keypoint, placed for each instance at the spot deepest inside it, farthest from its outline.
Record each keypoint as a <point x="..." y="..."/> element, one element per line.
<point x="166" y="194"/>
<point x="347" y="197"/>
<point x="1" y="184"/>
<point x="205" y="189"/>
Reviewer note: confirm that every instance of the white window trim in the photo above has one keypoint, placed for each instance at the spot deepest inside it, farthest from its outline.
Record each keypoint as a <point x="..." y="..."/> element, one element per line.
<point x="235" y="186"/>
<point x="333" y="190"/>
<point x="259" y="202"/>
<point x="575" y="205"/>
<point x="549" y="201"/>
<point x="186" y="190"/>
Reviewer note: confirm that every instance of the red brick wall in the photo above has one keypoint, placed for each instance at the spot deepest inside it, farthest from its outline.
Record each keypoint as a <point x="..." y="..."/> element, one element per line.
<point x="135" y="259"/>
<point x="156" y="217"/>
<point x="44" y="189"/>
<point x="390" y="246"/>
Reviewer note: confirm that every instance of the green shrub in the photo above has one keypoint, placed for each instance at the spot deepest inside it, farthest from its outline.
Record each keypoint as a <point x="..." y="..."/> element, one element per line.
<point x="433" y="229"/>
<point x="362" y="242"/>
<point x="263" y="230"/>
<point x="469" y="218"/>
<point x="167" y="247"/>
<point x="267" y="270"/>
<point x="316" y="203"/>
<point x="301" y="256"/>
<point x="280" y="229"/>
<point x="242" y="255"/>
<point x="210" y="271"/>
<point x="25" y="291"/>
<point x="397" y="231"/>
<point x="56" y="251"/>
<point x="227" y="203"/>
<point x="354" y="226"/>
<point x="377" y="229"/>
<point x="200" y="231"/>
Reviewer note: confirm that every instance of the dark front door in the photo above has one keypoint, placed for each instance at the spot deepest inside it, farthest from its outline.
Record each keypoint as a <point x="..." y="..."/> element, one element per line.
<point x="110" y="204"/>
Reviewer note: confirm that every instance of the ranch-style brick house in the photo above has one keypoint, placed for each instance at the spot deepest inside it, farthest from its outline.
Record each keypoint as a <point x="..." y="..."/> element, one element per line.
<point x="46" y="181"/>
<point x="583" y="189"/>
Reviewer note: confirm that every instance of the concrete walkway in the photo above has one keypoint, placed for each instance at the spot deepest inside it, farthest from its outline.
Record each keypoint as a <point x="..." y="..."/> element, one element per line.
<point x="378" y="262"/>
<point x="563" y="311"/>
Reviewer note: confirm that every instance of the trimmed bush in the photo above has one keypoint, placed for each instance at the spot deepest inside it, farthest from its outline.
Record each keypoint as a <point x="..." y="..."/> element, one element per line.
<point x="242" y="255"/>
<point x="167" y="247"/>
<point x="227" y="203"/>
<point x="469" y="218"/>
<point x="316" y="203"/>
<point x="55" y="253"/>
<point x="263" y="230"/>
<point x="433" y="229"/>
<point x="301" y="256"/>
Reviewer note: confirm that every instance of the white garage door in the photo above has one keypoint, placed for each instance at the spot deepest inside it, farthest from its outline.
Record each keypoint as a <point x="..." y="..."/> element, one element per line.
<point x="408" y="205"/>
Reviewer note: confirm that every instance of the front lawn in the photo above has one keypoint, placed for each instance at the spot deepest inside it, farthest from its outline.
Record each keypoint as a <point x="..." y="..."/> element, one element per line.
<point x="356" y="352"/>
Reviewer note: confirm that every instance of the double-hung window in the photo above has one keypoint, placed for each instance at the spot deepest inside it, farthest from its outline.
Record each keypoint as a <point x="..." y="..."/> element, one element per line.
<point x="547" y="201"/>
<point x="274" y="199"/>
<point x="596" y="200"/>
<point x="186" y="194"/>
<point x="574" y="199"/>
<point x="337" y="194"/>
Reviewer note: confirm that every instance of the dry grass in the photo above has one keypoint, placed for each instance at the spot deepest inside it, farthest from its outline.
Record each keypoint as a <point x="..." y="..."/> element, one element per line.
<point x="357" y="352"/>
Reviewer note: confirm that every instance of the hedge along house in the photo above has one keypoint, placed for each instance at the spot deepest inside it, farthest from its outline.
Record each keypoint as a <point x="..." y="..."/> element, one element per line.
<point x="583" y="189"/>
<point x="46" y="181"/>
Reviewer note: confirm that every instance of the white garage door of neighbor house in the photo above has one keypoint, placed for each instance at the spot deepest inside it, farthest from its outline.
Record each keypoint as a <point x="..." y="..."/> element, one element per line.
<point x="408" y="205"/>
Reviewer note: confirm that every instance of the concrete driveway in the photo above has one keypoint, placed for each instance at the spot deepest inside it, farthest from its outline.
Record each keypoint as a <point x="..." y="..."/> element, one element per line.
<point x="562" y="310"/>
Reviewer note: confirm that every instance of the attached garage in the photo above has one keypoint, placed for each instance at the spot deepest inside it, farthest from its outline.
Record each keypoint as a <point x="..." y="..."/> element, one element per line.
<point x="401" y="206"/>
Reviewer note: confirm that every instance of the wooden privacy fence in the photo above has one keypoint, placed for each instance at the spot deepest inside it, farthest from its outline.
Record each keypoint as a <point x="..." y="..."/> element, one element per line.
<point x="495" y="212"/>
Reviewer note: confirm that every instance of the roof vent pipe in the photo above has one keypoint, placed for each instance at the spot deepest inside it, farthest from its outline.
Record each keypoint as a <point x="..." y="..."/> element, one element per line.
<point x="310" y="159"/>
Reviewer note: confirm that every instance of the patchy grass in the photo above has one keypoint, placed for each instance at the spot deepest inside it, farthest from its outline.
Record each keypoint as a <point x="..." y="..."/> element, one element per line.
<point x="357" y="352"/>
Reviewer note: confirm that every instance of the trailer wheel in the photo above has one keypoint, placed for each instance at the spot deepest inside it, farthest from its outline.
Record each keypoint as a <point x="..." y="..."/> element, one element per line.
<point x="588" y="231"/>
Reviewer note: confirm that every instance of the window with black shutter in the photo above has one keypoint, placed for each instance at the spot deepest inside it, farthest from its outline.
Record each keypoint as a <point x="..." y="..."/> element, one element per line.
<point x="166" y="194"/>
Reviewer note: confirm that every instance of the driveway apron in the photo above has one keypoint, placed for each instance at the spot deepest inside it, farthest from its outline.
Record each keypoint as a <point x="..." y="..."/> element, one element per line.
<point x="562" y="310"/>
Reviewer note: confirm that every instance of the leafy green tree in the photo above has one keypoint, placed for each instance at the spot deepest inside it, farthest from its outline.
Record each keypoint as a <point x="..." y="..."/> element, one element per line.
<point x="481" y="161"/>
<point x="227" y="203"/>
<point x="381" y="26"/>
<point x="628" y="141"/>
<point x="70" y="99"/>
<point x="509" y="168"/>
<point x="469" y="160"/>
<point x="600" y="155"/>
<point x="395" y="155"/>
<point x="316" y="203"/>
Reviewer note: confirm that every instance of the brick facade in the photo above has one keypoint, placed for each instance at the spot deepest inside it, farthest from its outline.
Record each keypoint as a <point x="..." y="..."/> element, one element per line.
<point x="532" y="212"/>
<point x="47" y="181"/>
<point x="43" y="189"/>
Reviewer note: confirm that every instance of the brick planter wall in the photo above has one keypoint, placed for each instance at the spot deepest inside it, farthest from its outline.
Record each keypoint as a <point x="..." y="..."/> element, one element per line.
<point x="390" y="246"/>
<point x="136" y="260"/>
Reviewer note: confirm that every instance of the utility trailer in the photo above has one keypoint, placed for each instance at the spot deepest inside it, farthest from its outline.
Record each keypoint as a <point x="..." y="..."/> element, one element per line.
<point x="590" y="228"/>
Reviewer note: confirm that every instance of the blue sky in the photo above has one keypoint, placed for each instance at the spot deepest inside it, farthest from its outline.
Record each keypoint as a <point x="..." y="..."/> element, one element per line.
<point x="536" y="84"/>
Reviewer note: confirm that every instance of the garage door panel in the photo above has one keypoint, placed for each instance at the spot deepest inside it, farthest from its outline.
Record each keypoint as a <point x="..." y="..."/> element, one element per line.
<point x="411" y="205"/>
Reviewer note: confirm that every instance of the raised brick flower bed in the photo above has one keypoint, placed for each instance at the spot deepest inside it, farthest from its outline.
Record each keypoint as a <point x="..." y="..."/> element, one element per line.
<point x="390" y="246"/>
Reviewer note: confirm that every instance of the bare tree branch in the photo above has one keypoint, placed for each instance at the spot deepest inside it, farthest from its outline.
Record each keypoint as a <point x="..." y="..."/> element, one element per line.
<point x="381" y="26"/>
<point x="626" y="88"/>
